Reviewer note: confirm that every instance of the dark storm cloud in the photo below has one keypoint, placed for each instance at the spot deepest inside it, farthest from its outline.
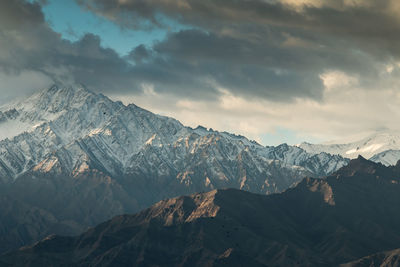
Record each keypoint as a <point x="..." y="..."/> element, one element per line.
<point x="367" y="18"/>
<point x="139" y="54"/>
<point x="12" y="13"/>
<point x="253" y="48"/>
<point x="275" y="49"/>
<point x="195" y="58"/>
<point x="369" y="25"/>
<point x="27" y="43"/>
<point x="190" y="63"/>
<point x="277" y="66"/>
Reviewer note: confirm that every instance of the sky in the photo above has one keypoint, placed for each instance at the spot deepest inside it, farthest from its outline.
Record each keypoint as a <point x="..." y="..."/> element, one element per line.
<point x="73" y="22"/>
<point x="273" y="70"/>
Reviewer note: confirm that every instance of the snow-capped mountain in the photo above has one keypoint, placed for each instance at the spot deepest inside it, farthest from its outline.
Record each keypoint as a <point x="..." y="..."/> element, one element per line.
<point x="381" y="147"/>
<point x="66" y="130"/>
<point x="72" y="148"/>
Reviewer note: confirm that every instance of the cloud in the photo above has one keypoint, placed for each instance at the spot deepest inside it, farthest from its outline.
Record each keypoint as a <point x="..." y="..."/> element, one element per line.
<point x="339" y="16"/>
<point x="257" y="48"/>
<point x="13" y="85"/>
<point x="28" y="44"/>
<point x="269" y="49"/>
<point x="190" y="62"/>
<point x="315" y="67"/>
<point x="195" y="63"/>
<point x="346" y="110"/>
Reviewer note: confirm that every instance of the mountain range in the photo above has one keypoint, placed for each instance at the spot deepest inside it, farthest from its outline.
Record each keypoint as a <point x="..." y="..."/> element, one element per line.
<point x="383" y="147"/>
<point x="71" y="158"/>
<point x="350" y="218"/>
<point x="68" y="130"/>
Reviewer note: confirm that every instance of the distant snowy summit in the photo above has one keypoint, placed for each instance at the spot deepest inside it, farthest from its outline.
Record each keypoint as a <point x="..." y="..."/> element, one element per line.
<point x="381" y="147"/>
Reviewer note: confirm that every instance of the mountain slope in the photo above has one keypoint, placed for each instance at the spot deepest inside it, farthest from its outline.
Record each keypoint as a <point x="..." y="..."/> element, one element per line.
<point x="350" y="214"/>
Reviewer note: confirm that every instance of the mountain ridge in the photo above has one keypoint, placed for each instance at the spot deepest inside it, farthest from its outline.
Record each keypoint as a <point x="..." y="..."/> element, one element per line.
<point x="320" y="222"/>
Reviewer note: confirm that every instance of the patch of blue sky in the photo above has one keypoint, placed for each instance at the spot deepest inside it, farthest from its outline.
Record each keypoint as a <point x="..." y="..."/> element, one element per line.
<point x="283" y="135"/>
<point x="72" y="22"/>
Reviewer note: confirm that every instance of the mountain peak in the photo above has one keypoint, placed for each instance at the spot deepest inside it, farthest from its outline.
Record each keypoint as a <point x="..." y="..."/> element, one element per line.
<point x="57" y="98"/>
<point x="361" y="158"/>
<point x="361" y="163"/>
<point x="362" y="166"/>
<point x="25" y="115"/>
